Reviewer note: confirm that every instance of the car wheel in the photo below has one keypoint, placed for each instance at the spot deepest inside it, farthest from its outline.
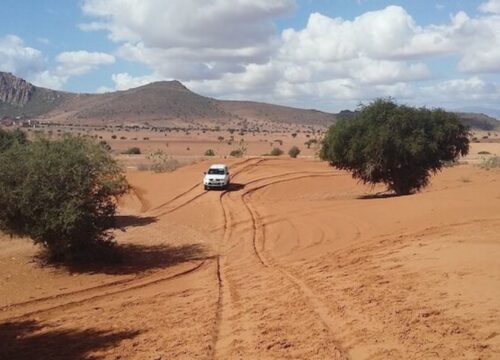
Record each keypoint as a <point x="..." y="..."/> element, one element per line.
<point x="206" y="187"/>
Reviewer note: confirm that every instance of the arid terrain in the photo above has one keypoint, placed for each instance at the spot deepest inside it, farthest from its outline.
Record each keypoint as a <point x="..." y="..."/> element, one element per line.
<point x="295" y="260"/>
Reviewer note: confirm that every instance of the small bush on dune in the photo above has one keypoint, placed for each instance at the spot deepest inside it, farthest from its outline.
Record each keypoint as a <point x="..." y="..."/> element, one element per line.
<point x="294" y="152"/>
<point x="236" y="153"/>
<point x="209" y="152"/>
<point x="484" y="153"/>
<point x="132" y="151"/>
<point x="161" y="162"/>
<point x="60" y="194"/>
<point x="491" y="163"/>
<point x="276" y="152"/>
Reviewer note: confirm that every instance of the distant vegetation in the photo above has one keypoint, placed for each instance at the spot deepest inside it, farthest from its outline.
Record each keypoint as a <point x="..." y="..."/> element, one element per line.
<point x="491" y="163"/>
<point x="209" y="152"/>
<point x="161" y="162"/>
<point x="276" y="151"/>
<point x="236" y="153"/>
<point x="9" y="138"/>
<point x="60" y="193"/>
<point x="294" y="152"/>
<point x="132" y="151"/>
<point x="397" y="145"/>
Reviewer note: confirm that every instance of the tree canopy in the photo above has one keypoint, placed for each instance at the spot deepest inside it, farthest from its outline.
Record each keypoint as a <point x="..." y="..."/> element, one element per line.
<point x="398" y="145"/>
<point x="60" y="194"/>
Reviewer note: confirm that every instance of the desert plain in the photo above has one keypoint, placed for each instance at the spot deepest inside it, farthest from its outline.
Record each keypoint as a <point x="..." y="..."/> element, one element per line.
<point x="296" y="260"/>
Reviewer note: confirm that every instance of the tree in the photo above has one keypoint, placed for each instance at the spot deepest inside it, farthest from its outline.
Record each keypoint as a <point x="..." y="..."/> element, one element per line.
<point x="397" y="145"/>
<point x="294" y="152"/>
<point x="60" y="194"/>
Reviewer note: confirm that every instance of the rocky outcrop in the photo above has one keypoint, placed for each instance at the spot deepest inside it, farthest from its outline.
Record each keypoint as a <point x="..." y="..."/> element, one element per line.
<point x="14" y="90"/>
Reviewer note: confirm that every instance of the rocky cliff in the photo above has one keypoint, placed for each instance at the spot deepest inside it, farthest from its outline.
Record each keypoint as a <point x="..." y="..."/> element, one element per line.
<point x="14" y="90"/>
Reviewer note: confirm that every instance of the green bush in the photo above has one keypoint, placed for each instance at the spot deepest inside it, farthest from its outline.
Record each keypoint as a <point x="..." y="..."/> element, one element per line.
<point x="310" y="142"/>
<point x="209" y="152"/>
<point x="9" y="138"/>
<point x="60" y="194"/>
<point x="236" y="153"/>
<point x="397" y="145"/>
<point x="276" y="152"/>
<point x="132" y="151"/>
<point x="294" y="152"/>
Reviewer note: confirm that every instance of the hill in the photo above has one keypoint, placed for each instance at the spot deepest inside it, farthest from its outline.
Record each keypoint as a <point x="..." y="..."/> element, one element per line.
<point x="480" y="121"/>
<point x="164" y="103"/>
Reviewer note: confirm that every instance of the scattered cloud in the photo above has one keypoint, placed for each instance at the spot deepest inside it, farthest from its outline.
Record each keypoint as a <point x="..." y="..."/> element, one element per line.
<point x="232" y="49"/>
<point x="190" y="39"/>
<point x="490" y="6"/>
<point x="16" y="57"/>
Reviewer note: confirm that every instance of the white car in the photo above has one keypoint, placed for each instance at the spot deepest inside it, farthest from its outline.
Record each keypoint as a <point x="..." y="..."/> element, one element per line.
<point x="217" y="176"/>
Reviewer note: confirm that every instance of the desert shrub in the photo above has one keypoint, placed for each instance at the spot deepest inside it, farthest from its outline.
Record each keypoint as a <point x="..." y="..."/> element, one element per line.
<point x="9" y="138"/>
<point x="310" y="142"/>
<point x="279" y="142"/>
<point x="294" y="152"/>
<point x="143" y="167"/>
<point x="209" y="152"/>
<point x="484" y="153"/>
<point x="113" y="137"/>
<point x="60" y="194"/>
<point x="161" y="162"/>
<point x="491" y="163"/>
<point x="105" y="145"/>
<point x="220" y="138"/>
<point x="397" y="145"/>
<point x="123" y="138"/>
<point x="294" y="135"/>
<point x="276" y="152"/>
<point x="132" y="151"/>
<point x="236" y="153"/>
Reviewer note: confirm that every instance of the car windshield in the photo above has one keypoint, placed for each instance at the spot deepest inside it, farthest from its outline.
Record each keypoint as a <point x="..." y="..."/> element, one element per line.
<point x="216" y="171"/>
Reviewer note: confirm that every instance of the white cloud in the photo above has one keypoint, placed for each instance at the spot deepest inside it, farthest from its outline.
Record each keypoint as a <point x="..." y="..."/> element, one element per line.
<point x="190" y="39"/>
<point x="75" y="63"/>
<point x="17" y="58"/>
<point x="474" y="90"/>
<point x="70" y="64"/>
<point x="230" y="49"/>
<point x="491" y="6"/>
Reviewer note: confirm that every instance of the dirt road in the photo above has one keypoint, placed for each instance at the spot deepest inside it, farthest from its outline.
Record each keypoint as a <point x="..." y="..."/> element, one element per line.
<point x="295" y="260"/>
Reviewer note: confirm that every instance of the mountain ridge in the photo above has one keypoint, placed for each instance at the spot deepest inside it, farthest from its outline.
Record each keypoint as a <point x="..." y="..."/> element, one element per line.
<point x="162" y="103"/>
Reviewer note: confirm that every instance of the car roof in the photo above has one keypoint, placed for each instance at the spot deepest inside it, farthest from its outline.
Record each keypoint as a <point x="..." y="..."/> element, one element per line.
<point x="218" y="166"/>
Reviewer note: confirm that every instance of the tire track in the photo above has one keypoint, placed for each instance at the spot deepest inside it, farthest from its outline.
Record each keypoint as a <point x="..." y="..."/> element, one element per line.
<point x="100" y="296"/>
<point x="314" y="301"/>
<point x="197" y="196"/>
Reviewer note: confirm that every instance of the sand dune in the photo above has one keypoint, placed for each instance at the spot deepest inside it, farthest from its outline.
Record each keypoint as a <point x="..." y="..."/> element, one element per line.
<point x="296" y="260"/>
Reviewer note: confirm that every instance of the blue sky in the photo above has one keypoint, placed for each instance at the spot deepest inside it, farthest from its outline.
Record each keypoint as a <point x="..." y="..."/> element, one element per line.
<point x="326" y="54"/>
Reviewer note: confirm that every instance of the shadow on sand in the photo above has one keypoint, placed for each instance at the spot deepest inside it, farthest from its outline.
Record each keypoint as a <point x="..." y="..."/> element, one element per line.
<point x="235" y="187"/>
<point x="124" y="221"/>
<point x="380" y="195"/>
<point x="134" y="259"/>
<point x="28" y="339"/>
